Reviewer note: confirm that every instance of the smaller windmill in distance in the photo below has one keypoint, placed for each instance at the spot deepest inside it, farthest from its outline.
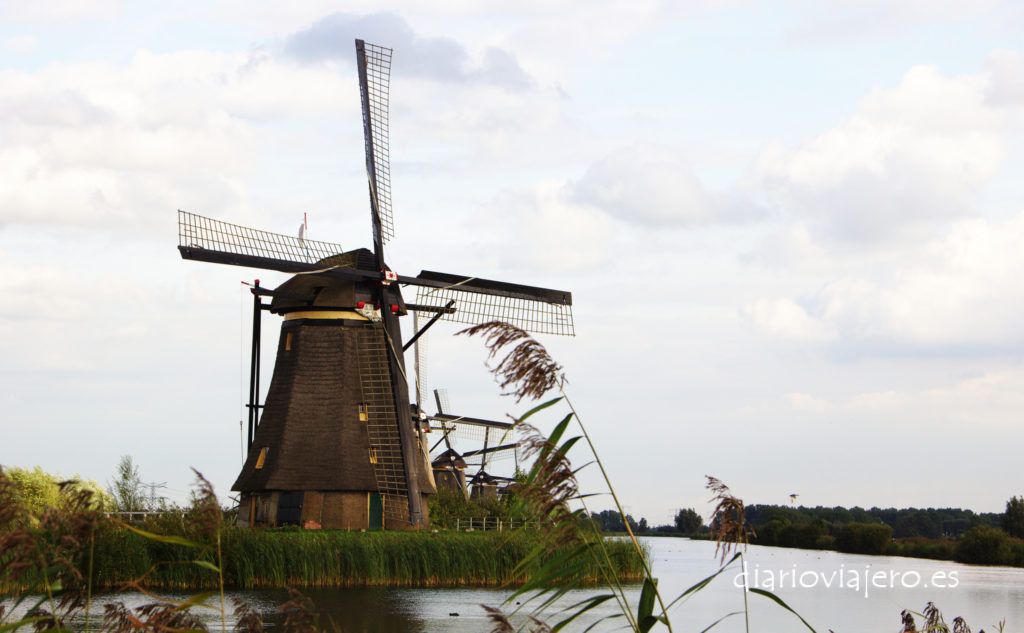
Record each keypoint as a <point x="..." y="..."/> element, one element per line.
<point x="792" y="498"/>
<point x="469" y="443"/>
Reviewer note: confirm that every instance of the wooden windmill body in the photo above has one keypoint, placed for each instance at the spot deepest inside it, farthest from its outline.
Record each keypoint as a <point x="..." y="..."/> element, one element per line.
<point x="337" y="442"/>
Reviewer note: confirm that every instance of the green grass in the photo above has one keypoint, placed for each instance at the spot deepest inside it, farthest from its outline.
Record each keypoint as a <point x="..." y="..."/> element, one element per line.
<point x="256" y="558"/>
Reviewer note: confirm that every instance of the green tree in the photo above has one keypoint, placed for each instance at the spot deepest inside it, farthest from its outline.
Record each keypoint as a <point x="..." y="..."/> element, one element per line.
<point x="126" y="489"/>
<point x="983" y="545"/>
<point x="36" y="490"/>
<point x="688" y="521"/>
<point x="1013" y="518"/>
<point x="863" y="538"/>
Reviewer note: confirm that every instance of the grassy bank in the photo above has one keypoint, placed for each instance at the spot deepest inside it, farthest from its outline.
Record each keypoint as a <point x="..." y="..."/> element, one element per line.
<point x="328" y="558"/>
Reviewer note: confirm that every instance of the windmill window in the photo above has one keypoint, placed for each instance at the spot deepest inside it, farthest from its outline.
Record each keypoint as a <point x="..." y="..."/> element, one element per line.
<point x="288" y="342"/>
<point x="262" y="458"/>
<point x="373" y="456"/>
<point x="364" y="412"/>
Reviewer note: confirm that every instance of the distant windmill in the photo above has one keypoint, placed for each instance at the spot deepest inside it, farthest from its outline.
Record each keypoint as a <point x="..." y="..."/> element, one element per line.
<point x="336" y="444"/>
<point x="459" y="448"/>
<point x="792" y="497"/>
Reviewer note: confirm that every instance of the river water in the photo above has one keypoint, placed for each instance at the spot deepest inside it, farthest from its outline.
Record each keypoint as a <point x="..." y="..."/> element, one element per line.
<point x="842" y="592"/>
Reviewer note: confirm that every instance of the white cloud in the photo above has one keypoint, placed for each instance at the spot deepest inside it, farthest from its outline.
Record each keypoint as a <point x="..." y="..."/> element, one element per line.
<point x="786" y="319"/>
<point x="960" y="293"/>
<point x="654" y="185"/>
<point x="789" y="247"/>
<point x="549" y="231"/>
<point x="993" y="399"/>
<point x="20" y="43"/>
<point x="439" y="58"/>
<point x="1006" y="87"/>
<point x="854" y="18"/>
<point x="58" y="10"/>
<point x="807" y="402"/>
<point x="909" y="155"/>
<point x="105" y="145"/>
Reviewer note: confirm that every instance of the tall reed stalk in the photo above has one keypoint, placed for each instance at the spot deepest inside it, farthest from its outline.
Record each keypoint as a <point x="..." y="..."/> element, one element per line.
<point x="526" y="370"/>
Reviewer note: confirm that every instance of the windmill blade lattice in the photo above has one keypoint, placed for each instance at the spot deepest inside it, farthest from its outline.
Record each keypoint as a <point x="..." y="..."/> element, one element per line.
<point x="460" y="432"/>
<point x="377" y="69"/>
<point x="198" y="233"/>
<point x="420" y="352"/>
<point x="474" y="307"/>
<point x="503" y="454"/>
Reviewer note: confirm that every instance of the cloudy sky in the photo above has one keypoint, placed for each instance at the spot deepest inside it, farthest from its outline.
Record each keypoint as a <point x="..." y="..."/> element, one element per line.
<point x="793" y="234"/>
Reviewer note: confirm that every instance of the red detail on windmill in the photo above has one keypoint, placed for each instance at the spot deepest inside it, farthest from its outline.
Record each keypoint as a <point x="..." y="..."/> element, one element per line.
<point x="394" y="307"/>
<point x="390" y="277"/>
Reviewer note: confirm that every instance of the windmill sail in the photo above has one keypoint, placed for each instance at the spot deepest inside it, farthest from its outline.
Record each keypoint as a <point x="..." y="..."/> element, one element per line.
<point x="420" y="359"/>
<point x="537" y="310"/>
<point x="374" y="64"/>
<point x="211" y="240"/>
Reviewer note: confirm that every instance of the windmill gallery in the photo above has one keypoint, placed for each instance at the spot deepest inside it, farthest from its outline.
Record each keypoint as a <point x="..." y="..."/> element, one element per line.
<point x="339" y="442"/>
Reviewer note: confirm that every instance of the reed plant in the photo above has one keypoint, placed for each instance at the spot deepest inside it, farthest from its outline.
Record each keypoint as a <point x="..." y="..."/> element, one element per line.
<point x="256" y="559"/>
<point x="48" y="566"/>
<point x="525" y="370"/>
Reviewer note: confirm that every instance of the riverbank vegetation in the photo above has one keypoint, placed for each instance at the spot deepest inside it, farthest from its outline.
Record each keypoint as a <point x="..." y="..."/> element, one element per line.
<point x="159" y="550"/>
<point x="941" y="534"/>
<point x="334" y="558"/>
<point x="965" y="536"/>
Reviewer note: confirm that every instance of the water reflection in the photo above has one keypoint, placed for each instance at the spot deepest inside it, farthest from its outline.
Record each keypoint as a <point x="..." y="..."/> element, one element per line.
<point x="983" y="596"/>
<point x="353" y="610"/>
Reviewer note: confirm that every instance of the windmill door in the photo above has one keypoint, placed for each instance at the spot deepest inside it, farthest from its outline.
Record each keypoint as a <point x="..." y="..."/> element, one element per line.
<point x="289" y="508"/>
<point x="376" y="511"/>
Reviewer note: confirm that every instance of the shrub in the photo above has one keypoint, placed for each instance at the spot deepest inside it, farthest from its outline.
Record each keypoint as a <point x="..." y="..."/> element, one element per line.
<point x="35" y="490"/>
<point x="863" y="538"/>
<point x="801" y="535"/>
<point x="983" y="545"/>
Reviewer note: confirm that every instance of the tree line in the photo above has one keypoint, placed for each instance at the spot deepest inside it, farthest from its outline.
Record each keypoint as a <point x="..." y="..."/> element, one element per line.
<point x="905" y="522"/>
<point x="986" y="538"/>
<point x="686" y="522"/>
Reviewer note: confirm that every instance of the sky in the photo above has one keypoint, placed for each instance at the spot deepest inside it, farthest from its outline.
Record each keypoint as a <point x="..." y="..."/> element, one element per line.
<point x="792" y="230"/>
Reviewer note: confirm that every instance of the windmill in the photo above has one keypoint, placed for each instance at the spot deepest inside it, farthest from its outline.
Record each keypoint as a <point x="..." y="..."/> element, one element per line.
<point x="336" y="443"/>
<point x="467" y="442"/>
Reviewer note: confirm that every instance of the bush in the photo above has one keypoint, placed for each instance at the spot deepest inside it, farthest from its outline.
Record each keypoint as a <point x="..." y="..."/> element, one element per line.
<point x="863" y="538"/>
<point x="983" y="545"/>
<point x="1013" y="518"/>
<point x="36" y="490"/>
<point x="936" y="549"/>
<point x="768" y="533"/>
<point x="448" y="505"/>
<point x="782" y="533"/>
<point x="825" y="542"/>
<point x="688" y="521"/>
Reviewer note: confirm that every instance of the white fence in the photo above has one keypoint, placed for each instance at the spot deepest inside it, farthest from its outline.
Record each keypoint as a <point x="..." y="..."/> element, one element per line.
<point x="139" y="516"/>
<point x="471" y="524"/>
